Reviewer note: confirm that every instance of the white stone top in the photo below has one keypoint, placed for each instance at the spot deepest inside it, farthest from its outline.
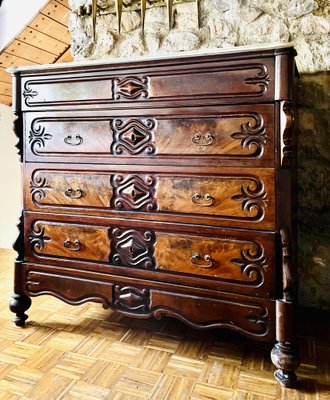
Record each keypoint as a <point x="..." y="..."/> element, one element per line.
<point x="154" y="57"/>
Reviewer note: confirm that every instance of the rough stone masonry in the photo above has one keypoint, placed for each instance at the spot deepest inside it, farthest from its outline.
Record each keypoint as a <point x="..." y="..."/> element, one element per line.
<point x="226" y="23"/>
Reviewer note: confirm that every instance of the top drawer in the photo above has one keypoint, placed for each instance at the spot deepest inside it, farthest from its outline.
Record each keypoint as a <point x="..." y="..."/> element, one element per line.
<point x="186" y="83"/>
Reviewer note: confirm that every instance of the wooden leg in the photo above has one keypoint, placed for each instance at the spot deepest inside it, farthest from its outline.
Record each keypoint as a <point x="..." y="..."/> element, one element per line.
<point x="285" y="358"/>
<point x="19" y="304"/>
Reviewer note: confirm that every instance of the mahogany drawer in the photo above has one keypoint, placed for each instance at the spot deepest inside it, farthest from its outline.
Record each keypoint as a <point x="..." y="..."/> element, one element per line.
<point x="228" y="134"/>
<point x="232" y="259"/>
<point x="219" y="81"/>
<point x="231" y="197"/>
<point x="252" y="316"/>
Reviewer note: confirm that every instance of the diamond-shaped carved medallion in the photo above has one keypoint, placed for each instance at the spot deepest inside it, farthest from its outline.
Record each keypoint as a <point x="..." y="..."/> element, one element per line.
<point x="133" y="136"/>
<point x="131" y="299"/>
<point x="134" y="192"/>
<point x="132" y="248"/>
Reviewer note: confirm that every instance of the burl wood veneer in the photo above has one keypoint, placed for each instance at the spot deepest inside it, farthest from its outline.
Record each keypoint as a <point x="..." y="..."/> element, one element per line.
<point x="163" y="187"/>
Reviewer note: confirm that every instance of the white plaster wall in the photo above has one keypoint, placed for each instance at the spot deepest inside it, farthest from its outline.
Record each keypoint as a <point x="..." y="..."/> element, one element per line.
<point x="10" y="180"/>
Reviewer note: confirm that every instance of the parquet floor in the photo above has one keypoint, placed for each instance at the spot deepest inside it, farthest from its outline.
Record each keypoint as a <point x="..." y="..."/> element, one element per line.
<point x="88" y="353"/>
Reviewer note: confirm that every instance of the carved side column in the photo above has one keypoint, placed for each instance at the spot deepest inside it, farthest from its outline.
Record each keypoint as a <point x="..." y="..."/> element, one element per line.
<point x="284" y="354"/>
<point x="20" y="302"/>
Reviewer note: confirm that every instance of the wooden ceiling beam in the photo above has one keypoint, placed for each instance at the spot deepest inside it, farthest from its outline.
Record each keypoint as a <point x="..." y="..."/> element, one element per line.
<point x="5" y="100"/>
<point x="42" y="41"/>
<point x="5" y="89"/>
<point x="57" y="12"/>
<point x="50" y="27"/>
<point x="10" y="60"/>
<point x="29" y="52"/>
<point x="65" y="57"/>
<point x="4" y="76"/>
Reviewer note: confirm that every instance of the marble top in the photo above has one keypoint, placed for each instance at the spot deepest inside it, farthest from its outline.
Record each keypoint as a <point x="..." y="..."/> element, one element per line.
<point x="183" y="54"/>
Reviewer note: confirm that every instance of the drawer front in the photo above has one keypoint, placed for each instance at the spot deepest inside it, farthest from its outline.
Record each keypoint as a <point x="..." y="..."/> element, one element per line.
<point x="250" y="316"/>
<point x="234" y="260"/>
<point x="67" y="189"/>
<point x="234" y="199"/>
<point x="69" y="241"/>
<point x="234" y="81"/>
<point x="226" y="257"/>
<point x="228" y="134"/>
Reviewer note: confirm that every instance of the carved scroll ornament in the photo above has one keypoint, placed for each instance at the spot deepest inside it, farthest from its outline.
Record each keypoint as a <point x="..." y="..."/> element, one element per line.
<point x="253" y="199"/>
<point x="29" y="93"/>
<point x="38" y="188"/>
<point x="38" y="238"/>
<point x="38" y="136"/>
<point x="261" y="79"/>
<point x="253" y="136"/>
<point x="253" y="263"/>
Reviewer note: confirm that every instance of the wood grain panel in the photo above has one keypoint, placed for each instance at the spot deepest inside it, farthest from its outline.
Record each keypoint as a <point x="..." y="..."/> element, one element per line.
<point x="53" y="136"/>
<point x="68" y="189"/>
<point x="230" y="258"/>
<point x="42" y="41"/>
<point x="250" y="316"/>
<point x="29" y="52"/>
<point x="71" y="241"/>
<point x="241" y="198"/>
<point x="215" y="83"/>
<point x="230" y="198"/>
<point x="50" y="27"/>
<point x="232" y="134"/>
<point x="50" y="91"/>
<point x="227" y="260"/>
<point x="66" y="287"/>
<point x="220" y="82"/>
<point x="242" y="133"/>
<point x="238" y="315"/>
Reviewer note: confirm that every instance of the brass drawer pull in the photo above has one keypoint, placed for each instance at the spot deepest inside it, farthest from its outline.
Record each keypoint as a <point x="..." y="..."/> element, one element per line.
<point x="203" y="201"/>
<point x="75" y="246"/>
<point x="73" y="194"/>
<point x="196" y="257"/>
<point x="73" y="141"/>
<point x="201" y="140"/>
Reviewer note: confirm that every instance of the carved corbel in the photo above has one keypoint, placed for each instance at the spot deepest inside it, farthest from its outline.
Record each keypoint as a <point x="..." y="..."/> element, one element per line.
<point x="286" y="133"/>
<point x="289" y="272"/>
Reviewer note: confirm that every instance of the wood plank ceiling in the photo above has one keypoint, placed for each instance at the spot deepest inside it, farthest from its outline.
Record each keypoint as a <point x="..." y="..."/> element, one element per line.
<point x="45" y="40"/>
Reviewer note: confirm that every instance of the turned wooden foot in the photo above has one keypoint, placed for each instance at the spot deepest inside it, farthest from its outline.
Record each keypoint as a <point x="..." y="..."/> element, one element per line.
<point x="285" y="358"/>
<point x="19" y="303"/>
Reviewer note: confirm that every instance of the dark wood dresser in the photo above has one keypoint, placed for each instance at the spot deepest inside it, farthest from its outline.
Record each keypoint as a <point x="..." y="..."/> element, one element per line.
<point x="163" y="187"/>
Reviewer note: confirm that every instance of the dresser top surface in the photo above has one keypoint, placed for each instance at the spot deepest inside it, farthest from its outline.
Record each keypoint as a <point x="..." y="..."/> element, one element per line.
<point x="220" y="53"/>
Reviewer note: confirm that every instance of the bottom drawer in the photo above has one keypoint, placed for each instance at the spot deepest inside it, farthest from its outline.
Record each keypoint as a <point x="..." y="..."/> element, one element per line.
<point x="253" y="317"/>
<point x="227" y="260"/>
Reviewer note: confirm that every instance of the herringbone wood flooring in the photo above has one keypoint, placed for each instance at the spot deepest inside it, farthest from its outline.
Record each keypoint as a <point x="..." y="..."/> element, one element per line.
<point x="88" y="353"/>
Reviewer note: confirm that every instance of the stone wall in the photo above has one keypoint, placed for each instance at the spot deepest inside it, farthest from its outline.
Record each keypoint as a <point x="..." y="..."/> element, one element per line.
<point x="225" y="23"/>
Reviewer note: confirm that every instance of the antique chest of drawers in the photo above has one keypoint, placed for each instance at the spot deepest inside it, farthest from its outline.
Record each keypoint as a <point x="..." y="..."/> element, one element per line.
<point x="162" y="187"/>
